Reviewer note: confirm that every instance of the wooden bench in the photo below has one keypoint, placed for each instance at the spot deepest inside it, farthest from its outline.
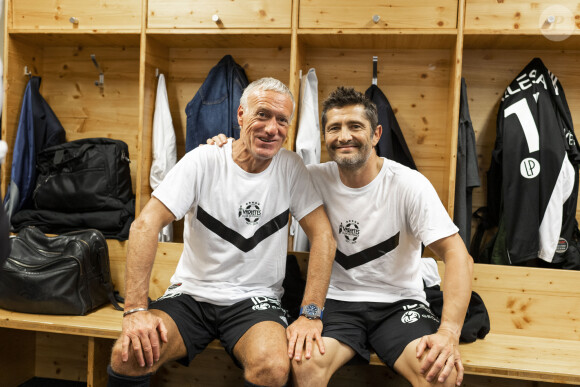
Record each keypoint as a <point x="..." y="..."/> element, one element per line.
<point x="534" y="338"/>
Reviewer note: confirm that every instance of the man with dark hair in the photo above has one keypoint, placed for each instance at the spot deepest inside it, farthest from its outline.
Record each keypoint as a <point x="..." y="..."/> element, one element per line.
<point x="236" y="202"/>
<point x="380" y="213"/>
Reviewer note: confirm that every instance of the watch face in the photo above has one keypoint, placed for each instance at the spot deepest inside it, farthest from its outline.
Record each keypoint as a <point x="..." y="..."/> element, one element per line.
<point x="311" y="310"/>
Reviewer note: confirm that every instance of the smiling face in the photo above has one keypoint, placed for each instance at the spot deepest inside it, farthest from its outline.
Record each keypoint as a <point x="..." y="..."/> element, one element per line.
<point x="264" y="123"/>
<point x="349" y="137"/>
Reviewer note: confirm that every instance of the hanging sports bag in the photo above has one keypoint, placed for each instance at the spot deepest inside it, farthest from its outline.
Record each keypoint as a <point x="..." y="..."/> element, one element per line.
<point x="65" y="274"/>
<point x="86" y="175"/>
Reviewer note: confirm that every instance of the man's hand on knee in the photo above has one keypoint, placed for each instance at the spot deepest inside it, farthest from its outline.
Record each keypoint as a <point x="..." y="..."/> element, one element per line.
<point x="301" y="335"/>
<point x="443" y="355"/>
<point x="142" y="332"/>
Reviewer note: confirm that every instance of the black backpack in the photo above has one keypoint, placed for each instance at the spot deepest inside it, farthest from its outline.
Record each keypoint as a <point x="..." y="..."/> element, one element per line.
<point x="86" y="175"/>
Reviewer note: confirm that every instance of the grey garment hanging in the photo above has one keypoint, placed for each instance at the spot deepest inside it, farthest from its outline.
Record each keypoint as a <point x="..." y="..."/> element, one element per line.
<point x="467" y="170"/>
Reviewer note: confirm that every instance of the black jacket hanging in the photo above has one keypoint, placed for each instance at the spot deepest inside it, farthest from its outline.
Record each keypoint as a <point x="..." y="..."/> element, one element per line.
<point x="467" y="170"/>
<point x="392" y="144"/>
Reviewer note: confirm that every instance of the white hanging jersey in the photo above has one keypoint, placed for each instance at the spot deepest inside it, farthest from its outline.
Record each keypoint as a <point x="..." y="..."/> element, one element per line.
<point x="236" y="223"/>
<point x="379" y="229"/>
<point x="307" y="142"/>
<point x="164" y="147"/>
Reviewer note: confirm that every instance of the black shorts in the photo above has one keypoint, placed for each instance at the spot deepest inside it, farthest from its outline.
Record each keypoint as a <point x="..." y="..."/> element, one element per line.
<point x="200" y="322"/>
<point x="386" y="328"/>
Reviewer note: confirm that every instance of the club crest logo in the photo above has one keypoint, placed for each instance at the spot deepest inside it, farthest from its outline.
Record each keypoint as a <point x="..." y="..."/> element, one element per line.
<point x="350" y="230"/>
<point x="251" y="212"/>
<point x="410" y="317"/>
<point x="562" y="246"/>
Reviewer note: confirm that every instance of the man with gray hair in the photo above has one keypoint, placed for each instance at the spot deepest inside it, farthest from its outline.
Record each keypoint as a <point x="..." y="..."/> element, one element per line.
<point x="236" y="201"/>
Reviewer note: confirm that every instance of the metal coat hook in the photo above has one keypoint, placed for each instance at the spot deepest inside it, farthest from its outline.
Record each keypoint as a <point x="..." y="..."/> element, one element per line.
<point x="375" y="62"/>
<point x="26" y="72"/>
<point x="101" y="81"/>
<point x="157" y="73"/>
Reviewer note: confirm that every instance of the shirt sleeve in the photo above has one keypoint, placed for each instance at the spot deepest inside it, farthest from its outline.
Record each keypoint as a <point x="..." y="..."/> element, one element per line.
<point x="179" y="190"/>
<point x="428" y="219"/>
<point x="304" y="198"/>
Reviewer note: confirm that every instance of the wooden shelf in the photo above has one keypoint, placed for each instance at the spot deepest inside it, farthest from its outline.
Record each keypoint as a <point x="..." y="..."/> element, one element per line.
<point x="519" y="40"/>
<point x="84" y="38"/>
<point x="371" y="39"/>
<point x="221" y="39"/>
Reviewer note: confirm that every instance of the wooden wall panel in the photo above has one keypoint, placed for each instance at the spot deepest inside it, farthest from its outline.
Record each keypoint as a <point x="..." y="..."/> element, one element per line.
<point x="61" y="356"/>
<point x="523" y="15"/>
<point x="231" y="13"/>
<point x="91" y="14"/>
<point x="17" y="357"/>
<point x="527" y="296"/>
<point x="168" y="255"/>
<point x="86" y="110"/>
<point x="98" y="358"/>
<point x="392" y="14"/>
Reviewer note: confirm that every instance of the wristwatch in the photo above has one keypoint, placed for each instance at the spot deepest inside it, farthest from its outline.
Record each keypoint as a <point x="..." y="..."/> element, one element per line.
<point x="311" y="311"/>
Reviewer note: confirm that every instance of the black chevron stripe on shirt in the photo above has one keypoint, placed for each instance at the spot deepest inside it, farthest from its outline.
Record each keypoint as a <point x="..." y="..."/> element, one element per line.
<point x="367" y="255"/>
<point x="238" y="240"/>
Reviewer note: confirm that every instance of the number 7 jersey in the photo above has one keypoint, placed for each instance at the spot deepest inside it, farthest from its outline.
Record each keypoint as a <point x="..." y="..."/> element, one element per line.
<point x="533" y="176"/>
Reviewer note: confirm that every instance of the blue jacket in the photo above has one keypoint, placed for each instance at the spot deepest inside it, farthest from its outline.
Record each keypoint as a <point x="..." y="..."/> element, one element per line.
<point x="38" y="128"/>
<point x="214" y="107"/>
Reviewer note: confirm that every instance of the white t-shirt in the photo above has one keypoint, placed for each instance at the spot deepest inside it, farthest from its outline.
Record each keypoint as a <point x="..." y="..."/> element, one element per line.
<point x="379" y="229"/>
<point x="236" y="223"/>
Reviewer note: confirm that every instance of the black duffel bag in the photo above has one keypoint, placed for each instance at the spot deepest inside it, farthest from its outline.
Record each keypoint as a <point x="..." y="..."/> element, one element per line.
<point x="66" y="274"/>
<point x="85" y="175"/>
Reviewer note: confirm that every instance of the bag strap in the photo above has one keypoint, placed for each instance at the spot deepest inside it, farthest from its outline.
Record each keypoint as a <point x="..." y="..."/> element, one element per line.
<point x="59" y="154"/>
<point x="114" y="297"/>
<point x="117" y="299"/>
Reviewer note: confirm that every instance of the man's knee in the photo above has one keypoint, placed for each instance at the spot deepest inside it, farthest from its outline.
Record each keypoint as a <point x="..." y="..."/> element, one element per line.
<point x="267" y="369"/>
<point x="310" y="372"/>
<point x="449" y="382"/>
<point x="409" y="366"/>
<point x="421" y="380"/>
<point x="129" y="367"/>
